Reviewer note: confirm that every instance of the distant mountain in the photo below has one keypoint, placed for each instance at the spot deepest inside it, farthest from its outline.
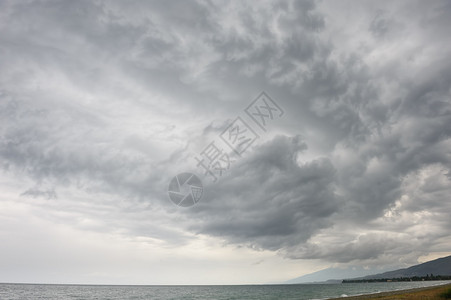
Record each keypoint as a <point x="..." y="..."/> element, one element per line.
<point x="440" y="266"/>
<point x="331" y="275"/>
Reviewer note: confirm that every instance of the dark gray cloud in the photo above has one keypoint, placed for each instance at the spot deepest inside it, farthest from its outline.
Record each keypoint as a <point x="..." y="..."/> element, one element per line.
<point x="268" y="200"/>
<point x="102" y="102"/>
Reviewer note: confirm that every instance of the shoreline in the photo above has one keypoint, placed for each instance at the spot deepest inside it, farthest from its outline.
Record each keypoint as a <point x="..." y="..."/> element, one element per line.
<point x="415" y="293"/>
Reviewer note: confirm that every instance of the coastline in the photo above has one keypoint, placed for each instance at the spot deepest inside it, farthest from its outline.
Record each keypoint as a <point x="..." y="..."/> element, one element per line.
<point x="430" y="292"/>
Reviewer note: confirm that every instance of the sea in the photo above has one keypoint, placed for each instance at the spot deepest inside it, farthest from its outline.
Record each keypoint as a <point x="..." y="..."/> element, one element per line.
<point x="10" y="291"/>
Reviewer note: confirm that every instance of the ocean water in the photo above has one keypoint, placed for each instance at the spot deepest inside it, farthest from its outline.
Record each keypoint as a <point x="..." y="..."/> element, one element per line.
<point x="219" y="292"/>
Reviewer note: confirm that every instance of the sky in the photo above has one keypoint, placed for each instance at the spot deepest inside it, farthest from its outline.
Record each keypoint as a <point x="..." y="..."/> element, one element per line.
<point x="103" y="103"/>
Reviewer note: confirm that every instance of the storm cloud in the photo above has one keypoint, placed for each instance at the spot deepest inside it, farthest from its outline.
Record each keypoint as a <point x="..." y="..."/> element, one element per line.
<point x="103" y="102"/>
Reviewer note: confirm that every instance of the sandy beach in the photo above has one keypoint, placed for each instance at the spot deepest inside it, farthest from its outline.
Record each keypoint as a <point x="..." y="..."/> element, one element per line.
<point x="429" y="293"/>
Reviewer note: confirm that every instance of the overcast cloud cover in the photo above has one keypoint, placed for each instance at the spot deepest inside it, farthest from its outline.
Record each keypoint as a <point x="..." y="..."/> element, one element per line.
<point x="103" y="102"/>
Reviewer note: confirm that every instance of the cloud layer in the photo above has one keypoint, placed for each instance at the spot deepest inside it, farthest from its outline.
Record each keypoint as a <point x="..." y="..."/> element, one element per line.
<point x="103" y="102"/>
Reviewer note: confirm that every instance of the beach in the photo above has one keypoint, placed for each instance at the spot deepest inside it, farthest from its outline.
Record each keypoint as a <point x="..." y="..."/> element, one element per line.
<point x="430" y="293"/>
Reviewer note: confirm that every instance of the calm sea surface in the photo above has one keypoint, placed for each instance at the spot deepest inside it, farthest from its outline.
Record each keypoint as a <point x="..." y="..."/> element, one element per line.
<point x="304" y="291"/>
